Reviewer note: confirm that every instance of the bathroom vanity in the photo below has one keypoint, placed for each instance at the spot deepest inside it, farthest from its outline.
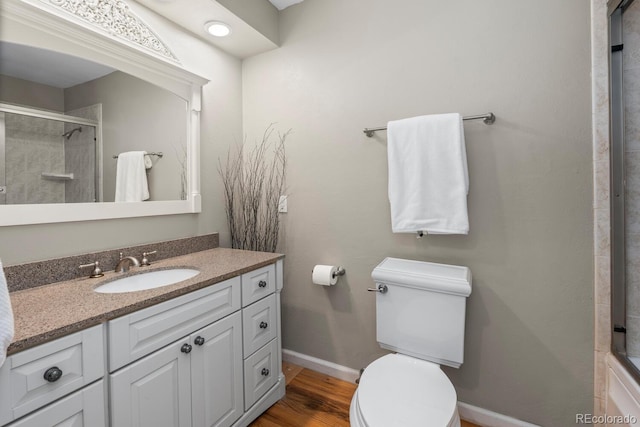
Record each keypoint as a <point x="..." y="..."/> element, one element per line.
<point x="202" y="352"/>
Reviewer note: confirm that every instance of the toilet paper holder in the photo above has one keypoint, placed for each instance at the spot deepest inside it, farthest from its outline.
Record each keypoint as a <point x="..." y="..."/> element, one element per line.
<point x="326" y="275"/>
<point x="339" y="272"/>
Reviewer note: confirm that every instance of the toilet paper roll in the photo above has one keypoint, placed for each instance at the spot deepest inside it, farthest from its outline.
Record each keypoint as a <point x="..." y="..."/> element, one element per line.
<point x="324" y="275"/>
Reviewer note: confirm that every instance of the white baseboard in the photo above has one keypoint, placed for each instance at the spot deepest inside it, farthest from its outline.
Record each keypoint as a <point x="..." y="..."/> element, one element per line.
<point x="319" y="365"/>
<point x="479" y="416"/>
<point x="486" y="418"/>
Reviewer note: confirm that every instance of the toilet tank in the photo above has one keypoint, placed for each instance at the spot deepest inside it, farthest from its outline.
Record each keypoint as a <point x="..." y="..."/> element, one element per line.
<point x="422" y="312"/>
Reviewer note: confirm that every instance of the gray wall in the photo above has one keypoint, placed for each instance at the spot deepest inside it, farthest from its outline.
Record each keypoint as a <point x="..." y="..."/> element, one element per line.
<point x="137" y="115"/>
<point x="346" y="65"/>
<point x="28" y="93"/>
<point x="221" y="125"/>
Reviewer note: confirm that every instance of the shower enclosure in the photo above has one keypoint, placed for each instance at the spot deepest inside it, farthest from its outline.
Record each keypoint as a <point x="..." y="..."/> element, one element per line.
<point x="47" y="157"/>
<point x="625" y="181"/>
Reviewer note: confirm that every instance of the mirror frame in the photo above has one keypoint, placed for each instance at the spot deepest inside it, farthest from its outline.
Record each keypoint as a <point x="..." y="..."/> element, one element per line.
<point x="42" y="24"/>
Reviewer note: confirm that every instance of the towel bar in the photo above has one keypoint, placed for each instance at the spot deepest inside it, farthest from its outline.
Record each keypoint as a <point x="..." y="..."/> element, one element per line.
<point x="488" y="119"/>
<point x="153" y="153"/>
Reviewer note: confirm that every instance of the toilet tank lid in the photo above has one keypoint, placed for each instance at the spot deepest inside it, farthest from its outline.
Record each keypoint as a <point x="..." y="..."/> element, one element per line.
<point x="444" y="278"/>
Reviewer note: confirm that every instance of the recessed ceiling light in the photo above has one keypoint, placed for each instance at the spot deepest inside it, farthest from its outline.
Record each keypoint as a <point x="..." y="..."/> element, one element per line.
<point x="217" y="28"/>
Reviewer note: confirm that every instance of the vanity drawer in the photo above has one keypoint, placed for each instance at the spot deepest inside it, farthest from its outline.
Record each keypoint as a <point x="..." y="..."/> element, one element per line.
<point x="84" y="408"/>
<point x="259" y="324"/>
<point x="142" y="332"/>
<point x="257" y="284"/>
<point x="69" y="362"/>
<point x="260" y="373"/>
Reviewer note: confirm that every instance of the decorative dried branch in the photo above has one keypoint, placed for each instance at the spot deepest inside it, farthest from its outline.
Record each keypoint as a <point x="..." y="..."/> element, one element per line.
<point x="253" y="183"/>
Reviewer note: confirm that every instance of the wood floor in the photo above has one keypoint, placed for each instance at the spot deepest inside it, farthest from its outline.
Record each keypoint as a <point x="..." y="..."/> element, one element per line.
<point x="312" y="399"/>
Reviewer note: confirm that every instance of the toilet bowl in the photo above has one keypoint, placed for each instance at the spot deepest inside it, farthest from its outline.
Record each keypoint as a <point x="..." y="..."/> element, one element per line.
<point x="420" y="315"/>
<point x="402" y="391"/>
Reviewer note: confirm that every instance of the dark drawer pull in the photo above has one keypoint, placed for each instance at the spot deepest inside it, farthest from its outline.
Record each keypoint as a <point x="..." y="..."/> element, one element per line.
<point x="262" y="284"/>
<point x="53" y="374"/>
<point x="199" y="340"/>
<point x="186" y="348"/>
<point x="265" y="372"/>
<point x="263" y="325"/>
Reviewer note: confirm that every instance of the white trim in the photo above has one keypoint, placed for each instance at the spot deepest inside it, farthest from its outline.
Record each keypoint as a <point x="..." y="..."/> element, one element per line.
<point x="485" y="417"/>
<point x="36" y="23"/>
<point x="319" y="365"/>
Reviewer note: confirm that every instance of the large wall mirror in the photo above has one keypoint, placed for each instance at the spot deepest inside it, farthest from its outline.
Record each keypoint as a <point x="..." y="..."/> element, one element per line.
<point x="73" y="103"/>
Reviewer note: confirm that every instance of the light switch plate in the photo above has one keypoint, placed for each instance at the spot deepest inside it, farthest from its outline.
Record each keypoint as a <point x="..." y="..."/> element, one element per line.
<point x="282" y="204"/>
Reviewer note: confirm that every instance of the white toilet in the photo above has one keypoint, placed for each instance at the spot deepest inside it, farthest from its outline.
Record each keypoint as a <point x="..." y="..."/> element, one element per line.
<point x="420" y="310"/>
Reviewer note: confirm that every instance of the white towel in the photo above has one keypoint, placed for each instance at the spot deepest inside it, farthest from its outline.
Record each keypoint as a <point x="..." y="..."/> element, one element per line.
<point x="6" y="317"/>
<point x="131" y="177"/>
<point x="428" y="178"/>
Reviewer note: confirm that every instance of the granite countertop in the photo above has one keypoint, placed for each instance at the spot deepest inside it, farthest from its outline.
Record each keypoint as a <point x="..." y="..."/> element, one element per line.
<point x="52" y="311"/>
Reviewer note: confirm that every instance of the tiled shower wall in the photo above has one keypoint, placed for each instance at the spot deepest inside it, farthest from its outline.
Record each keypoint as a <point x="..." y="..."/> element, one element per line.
<point x="33" y="146"/>
<point x="601" y="212"/>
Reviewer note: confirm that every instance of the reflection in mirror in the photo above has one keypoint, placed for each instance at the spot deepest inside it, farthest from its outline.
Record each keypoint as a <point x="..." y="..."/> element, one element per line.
<point x="47" y="160"/>
<point x="64" y="121"/>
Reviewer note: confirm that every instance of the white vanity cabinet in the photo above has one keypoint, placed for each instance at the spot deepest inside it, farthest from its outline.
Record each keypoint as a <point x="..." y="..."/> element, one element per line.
<point x="260" y="321"/>
<point x="186" y="362"/>
<point x="193" y="381"/>
<point x="32" y="379"/>
<point x="208" y="358"/>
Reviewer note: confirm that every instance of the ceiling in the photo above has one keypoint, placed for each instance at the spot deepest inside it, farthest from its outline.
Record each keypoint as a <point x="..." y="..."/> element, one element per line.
<point x="63" y="71"/>
<point x="244" y="41"/>
<point x="283" y="4"/>
<point x="47" y="67"/>
<point x="254" y="26"/>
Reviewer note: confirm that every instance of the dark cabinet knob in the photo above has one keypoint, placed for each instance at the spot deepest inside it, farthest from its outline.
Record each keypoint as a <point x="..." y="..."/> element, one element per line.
<point x="199" y="340"/>
<point x="53" y="374"/>
<point x="186" y="348"/>
<point x="265" y="372"/>
<point x="262" y="284"/>
<point x="263" y="325"/>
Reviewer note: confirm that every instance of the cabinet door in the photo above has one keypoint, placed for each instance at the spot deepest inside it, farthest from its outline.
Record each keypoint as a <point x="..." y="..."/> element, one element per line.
<point x="216" y="373"/>
<point x="84" y="408"/>
<point x="154" y="391"/>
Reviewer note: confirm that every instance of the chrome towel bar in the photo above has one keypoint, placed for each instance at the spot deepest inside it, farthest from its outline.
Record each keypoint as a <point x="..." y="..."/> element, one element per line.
<point x="152" y="153"/>
<point x="488" y="119"/>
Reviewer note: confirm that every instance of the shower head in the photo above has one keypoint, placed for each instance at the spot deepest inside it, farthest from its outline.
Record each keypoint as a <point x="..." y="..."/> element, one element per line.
<point x="69" y="133"/>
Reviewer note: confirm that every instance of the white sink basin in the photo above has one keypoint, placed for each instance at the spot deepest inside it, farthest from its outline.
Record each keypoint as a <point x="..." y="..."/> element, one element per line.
<point x="148" y="280"/>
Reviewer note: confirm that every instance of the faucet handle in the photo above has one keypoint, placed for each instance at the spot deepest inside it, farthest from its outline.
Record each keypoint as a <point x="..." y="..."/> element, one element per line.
<point x="145" y="260"/>
<point x="97" y="271"/>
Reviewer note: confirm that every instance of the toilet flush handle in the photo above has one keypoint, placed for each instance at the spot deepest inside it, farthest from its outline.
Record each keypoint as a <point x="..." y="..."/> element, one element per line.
<point x="381" y="288"/>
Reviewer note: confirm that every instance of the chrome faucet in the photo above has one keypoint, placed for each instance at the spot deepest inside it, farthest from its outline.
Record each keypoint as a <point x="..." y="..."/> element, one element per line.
<point x="125" y="263"/>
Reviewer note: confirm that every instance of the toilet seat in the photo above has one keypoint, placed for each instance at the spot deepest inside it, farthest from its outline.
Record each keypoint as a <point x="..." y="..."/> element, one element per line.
<point x="402" y="391"/>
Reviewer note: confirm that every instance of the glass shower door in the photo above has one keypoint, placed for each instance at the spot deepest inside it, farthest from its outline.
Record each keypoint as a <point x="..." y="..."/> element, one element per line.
<point x="46" y="160"/>
<point x="625" y="181"/>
